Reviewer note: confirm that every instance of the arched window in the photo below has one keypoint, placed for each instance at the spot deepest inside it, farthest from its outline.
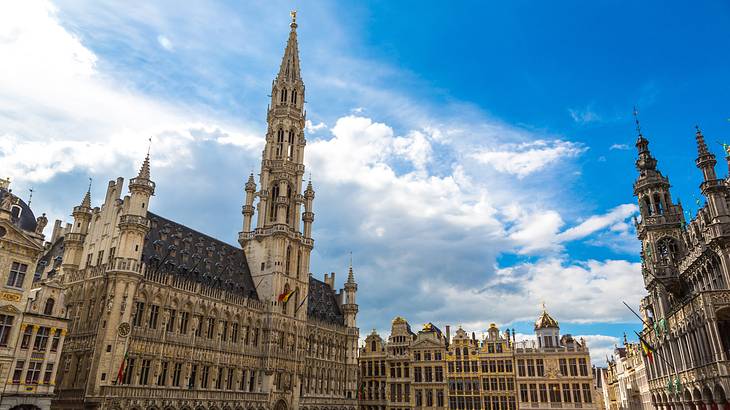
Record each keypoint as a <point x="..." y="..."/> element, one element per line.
<point x="272" y="207"/>
<point x="667" y="248"/>
<point x="282" y="95"/>
<point x="290" y="146"/>
<point x="294" y="97"/>
<point x="288" y="259"/>
<point x="279" y="143"/>
<point x="647" y="206"/>
<point x="372" y="346"/>
<point x="48" y="309"/>
<point x="658" y="204"/>
<point x="15" y="210"/>
<point x="299" y="261"/>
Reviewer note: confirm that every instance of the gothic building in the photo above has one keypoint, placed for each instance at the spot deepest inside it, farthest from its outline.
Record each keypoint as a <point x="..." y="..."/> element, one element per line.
<point x="686" y="271"/>
<point x="433" y="370"/>
<point x="32" y="313"/>
<point x="165" y="317"/>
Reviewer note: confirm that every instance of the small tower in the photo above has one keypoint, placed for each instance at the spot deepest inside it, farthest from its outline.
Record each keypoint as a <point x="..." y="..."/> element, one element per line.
<point x="712" y="188"/>
<point x="248" y="207"/>
<point x="133" y="224"/>
<point x="73" y="243"/>
<point x="350" y="307"/>
<point x="547" y="330"/>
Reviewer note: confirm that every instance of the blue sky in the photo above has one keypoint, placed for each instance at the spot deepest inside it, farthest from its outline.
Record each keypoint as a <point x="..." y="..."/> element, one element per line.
<point x="476" y="159"/>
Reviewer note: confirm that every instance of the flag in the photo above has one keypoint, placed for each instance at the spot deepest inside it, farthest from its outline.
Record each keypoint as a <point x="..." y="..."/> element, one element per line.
<point x="284" y="297"/>
<point x="647" y="348"/>
<point x="122" y="368"/>
<point x="301" y="303"/>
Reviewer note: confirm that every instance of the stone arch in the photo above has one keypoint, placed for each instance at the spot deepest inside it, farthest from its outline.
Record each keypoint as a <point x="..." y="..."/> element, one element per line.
<point x="696" y="394"/>
<point x="281" y="405"/>
<point x="719" y="394"/>
<point x="706" y="394"/>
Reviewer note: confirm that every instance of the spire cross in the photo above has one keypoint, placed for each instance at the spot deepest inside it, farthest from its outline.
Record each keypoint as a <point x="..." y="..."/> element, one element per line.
<point x="636" y="119"/>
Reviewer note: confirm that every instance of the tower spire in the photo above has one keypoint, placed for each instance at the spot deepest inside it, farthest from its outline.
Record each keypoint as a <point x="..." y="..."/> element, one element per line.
<point x="705" y="159"/>
<point x="644" y="162"/>
<point x="289" y="68"/>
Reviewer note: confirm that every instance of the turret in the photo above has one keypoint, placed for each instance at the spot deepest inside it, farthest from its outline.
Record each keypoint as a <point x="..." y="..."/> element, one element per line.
<point x="133" y="224"/>
<point x="248" y="206"/>
<point x="547" y="330"/>
<point x="73" y="243"/>
<point x="350" y="307"/>
<point x="712" y="188"/>
<point x="308" y="215"/>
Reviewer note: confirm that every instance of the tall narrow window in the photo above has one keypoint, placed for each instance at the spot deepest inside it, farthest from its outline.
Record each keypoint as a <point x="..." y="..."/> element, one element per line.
<point x="144" y="372"/>
<point x="27" y="335"/>
<point x="6" y="325"/>
<point x="33" y="372"/>
<point x="288" y="259"/>
<point x="184" y="322"/>
<point x="138" y="313"/>
<point x="154" y="312"/>
<point x="176" y="375"/>
<point x="290" y="146"/>
<point x="48" y="373"/>
<point x="48" y="309"/>
<point x="41" y="339"/>
<point x="56" y="340"/>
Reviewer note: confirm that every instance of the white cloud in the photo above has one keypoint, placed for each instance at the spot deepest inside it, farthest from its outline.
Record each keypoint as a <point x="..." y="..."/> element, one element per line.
<point x="584" y="116"/>
<point x="577" y="292"/>
<point x="597" y="222"/>
<point x="619" y="147"/>
<point x="313" y="128"/>
<point x="165" y="42"/>
<point x="526" y="158"/>
<point x="60" y="113"/>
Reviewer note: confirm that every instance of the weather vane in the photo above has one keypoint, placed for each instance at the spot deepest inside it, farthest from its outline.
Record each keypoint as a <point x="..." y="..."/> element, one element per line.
<point x="636" y="119"/>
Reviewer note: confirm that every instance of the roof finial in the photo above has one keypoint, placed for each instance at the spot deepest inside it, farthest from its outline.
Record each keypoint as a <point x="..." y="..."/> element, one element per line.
<point x="636" y="119"/>
<point x="30" y="197"/>
<point x="293" y="14"/>
<point x="89" y="188"/>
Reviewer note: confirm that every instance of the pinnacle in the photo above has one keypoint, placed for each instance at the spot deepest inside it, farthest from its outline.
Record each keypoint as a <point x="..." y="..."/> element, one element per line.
<point x="701" y="145"/>
<point x="144" y="171"/>
<point x="86" y="202"/>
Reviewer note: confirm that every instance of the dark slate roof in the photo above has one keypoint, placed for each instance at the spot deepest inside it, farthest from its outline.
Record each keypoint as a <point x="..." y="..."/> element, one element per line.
<point x="27" y="220"/>
<point x="176" y="249"/>
<point x="322" y="303"/>
<point x="51" y="258"/>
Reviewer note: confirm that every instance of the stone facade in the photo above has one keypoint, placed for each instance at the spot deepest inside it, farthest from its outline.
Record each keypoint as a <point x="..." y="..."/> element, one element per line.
<point x="430" y="369"/>
<point x="626" y="385"/>
<point x="32" y="310"/>
<point x="165" y="317"/>
<point x="686" y="271"/>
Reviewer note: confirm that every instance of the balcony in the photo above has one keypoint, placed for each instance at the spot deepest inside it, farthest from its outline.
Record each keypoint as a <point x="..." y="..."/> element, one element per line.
<point x="166" y="393"/>
<point x="134" y="221"/>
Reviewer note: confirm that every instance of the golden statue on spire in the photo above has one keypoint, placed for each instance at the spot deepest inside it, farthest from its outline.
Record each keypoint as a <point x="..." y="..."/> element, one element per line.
<point x="293" y="16"/>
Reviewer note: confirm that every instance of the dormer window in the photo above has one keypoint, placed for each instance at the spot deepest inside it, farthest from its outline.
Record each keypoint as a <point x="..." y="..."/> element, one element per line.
<point x="48" y="309"/>
<point x="16" y="210"/>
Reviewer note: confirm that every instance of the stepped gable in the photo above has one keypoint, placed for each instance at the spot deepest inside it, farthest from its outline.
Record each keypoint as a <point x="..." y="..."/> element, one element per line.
<point x="322" y="303"/>
<point x="176" y="249"/>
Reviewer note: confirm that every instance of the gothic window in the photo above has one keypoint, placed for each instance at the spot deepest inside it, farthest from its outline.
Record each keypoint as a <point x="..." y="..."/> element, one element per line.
<point x="647" y="206"/>
<point x="288" y="259"/>
<point x="658" y="204"/>
<point x="294" y="97"/>
<point x="48" y="309"/>
<point x="272" y="206"/>
<point x="299" y="261"/>
<point x="279" y="143"/>
<point x="667" y="249"/>
<point x="290" y="146"/>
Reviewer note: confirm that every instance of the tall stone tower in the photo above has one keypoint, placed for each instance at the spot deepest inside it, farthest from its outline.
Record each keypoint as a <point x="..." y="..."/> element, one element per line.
<point x="278" y="248"/>
<point x="659" y="230"/>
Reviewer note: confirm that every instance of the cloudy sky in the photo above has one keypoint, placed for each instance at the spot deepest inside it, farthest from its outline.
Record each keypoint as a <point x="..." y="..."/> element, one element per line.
<point x="477" y="161"/>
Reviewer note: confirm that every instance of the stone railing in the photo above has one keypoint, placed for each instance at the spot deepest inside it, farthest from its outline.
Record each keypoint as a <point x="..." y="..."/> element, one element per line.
<point x="167" y="393"/>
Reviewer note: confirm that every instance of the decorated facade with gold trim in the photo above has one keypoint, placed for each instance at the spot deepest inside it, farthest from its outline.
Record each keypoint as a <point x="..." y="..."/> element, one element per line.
<point x="32" y="312"/>
<point x="431" y="369"/>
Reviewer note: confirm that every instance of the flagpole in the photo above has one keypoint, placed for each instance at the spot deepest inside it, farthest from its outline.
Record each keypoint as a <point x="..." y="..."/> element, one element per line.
<point x="650" y="347"/>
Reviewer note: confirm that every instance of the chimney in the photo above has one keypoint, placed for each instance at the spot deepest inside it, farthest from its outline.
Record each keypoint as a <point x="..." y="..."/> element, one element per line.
<point x="330" y="280"/>
<point x="448" y="335"/>
<point x="56" y="230"/>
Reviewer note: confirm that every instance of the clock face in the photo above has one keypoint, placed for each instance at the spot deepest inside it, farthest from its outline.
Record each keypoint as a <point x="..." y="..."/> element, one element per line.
<point x="124" y="329"/>
<point x="2" y="231"/>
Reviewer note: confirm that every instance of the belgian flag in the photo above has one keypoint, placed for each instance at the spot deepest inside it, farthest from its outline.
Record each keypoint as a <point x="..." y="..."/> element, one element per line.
<point x="646" y="347"/>
<point x="284" y="297"/>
